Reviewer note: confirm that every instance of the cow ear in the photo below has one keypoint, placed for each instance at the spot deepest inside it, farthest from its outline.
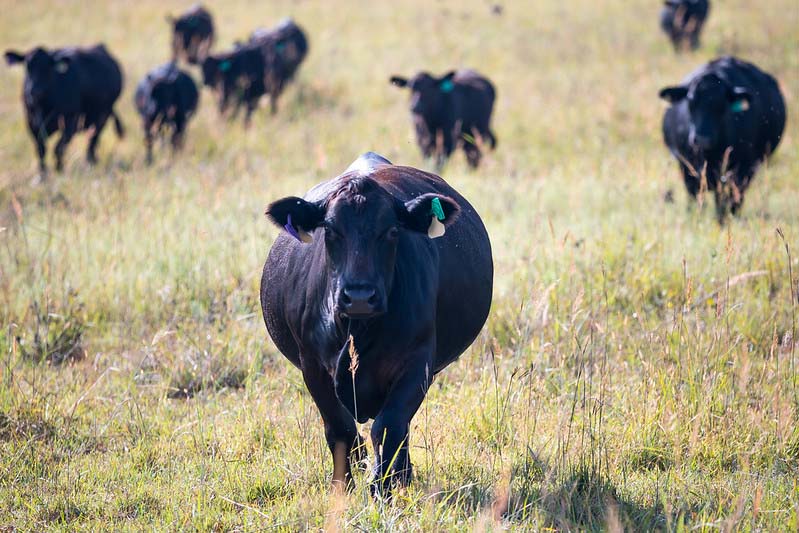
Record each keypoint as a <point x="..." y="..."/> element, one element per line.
<point x="13" y="57"/>
<point x="430" y="213"/>
<point x="296" y="216"/>
<point x="170" y="19"/>
<point x="740" y="99"/>
<point x="445" y="83"/>
<point x="398" y="81"/>
<point x="673" y="94"/>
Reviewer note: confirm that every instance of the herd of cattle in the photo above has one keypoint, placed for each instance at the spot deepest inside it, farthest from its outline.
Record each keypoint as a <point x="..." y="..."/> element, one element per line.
<point x="385" y="304"/>
<point x="724" y="120"/>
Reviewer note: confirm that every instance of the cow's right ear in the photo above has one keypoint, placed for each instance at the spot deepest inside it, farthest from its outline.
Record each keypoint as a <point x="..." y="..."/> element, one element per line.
<point x="398" y="81"/>
<point x="170" y="19"/>
<point x="673" y="94"/>
<point x="296" y="216"/>
<point x="13" y="57"/>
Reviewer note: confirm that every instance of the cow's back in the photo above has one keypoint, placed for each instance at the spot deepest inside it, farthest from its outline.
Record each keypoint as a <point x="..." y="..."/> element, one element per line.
<point x="474" y="101"/>
<point x="100" y="77"/>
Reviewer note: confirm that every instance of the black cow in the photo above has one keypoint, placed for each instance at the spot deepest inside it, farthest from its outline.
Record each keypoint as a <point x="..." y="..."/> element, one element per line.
<point x="682" y="20"/>
<point x="166" y="98"/>
<point x="455" y="107"/>
<point x="69" y="90"/>
<point x="192" y="34"/>
<point x="284" y="48"/>
<point x="724" y="119"/>
<point x="238" y="79"/>
<point x="358" y="295"/>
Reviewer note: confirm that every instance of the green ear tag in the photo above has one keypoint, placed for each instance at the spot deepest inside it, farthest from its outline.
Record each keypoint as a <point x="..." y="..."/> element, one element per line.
<point x="739" y="106"/>
<point x="438" y="211"/>
<point x="224" y="66"/>
<point x="447" y="86"/>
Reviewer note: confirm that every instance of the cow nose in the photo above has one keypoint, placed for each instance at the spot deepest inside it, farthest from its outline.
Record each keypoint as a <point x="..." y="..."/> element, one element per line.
<point x="359" y="301"/>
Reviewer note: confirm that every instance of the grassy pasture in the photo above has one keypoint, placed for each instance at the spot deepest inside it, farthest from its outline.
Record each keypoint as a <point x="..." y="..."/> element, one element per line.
<point x="639" y="367"/>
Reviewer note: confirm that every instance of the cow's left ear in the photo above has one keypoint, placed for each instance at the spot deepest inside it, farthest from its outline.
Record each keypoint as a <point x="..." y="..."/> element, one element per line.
<point x="398" y="81"/>
<point x="430" y="213"/>
<point x="740" y="99"/>
<point x="673" y="94"/>
<point x="296" y="216"/>
<point x="13" y="57"/>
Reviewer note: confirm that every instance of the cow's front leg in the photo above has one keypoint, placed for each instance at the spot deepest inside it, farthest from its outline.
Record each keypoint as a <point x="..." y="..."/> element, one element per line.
<point x="39" y="135"/>
<point x="390" y="431"/>
<point x="340" y="431"/>
<point x="67" y="131"/>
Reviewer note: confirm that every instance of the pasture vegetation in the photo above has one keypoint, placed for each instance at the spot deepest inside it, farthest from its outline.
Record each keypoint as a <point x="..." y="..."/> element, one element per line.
<point x="639" y="367"/>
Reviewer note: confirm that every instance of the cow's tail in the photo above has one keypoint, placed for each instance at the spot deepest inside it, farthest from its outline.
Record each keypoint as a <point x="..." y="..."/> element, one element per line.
<point x="118" y="125"/>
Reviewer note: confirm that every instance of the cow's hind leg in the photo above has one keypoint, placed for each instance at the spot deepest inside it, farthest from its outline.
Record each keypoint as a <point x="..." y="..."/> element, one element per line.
<point x="178" y="133"/>
<point x="340" y="431"/>
<point x="91" y="151"/>
<point x="148" y="140"/>
<point x="471" y="149"/>
<point x="390" y="431"/>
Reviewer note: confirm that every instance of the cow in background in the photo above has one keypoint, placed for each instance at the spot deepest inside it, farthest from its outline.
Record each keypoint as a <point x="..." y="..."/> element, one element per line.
<point x="192" y="34"/>
<point x="68" y="90"/>
<point x="450" y="111"/>
<point x="166" y="98"/>
<point x="724" y="120"/>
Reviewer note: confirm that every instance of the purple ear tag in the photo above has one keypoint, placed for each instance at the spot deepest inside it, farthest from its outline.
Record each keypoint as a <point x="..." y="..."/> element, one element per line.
<point x="290" y="228"/>
<point x="297" y="233"/>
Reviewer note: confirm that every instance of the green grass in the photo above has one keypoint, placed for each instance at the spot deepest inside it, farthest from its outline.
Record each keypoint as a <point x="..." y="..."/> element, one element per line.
<point x="628" y="376"/>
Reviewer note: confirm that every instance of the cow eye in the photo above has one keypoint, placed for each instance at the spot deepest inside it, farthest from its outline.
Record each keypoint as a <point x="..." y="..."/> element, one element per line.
<point x="331" y="233"/>
<point x="391" y="234"/>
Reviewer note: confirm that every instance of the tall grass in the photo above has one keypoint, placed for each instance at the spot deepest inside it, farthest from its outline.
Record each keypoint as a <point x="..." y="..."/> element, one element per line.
<point x="639" y="367"/>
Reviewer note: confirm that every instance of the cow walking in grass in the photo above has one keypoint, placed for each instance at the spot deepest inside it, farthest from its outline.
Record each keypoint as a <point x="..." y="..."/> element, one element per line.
<point x="450" y="111"/>
<point x="380" y="278"/>
<point x="682" y="21"/>
<point x="724" y="120"/>
<point x="68" y="90"/>
<point x="166" y="99"/>
<point x="192" y="35"/>
<point x="284" y="48"/>
<point x="237" y="78"/>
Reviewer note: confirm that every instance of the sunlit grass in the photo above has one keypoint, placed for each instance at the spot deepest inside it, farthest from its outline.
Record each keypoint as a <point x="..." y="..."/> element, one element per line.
<point x="639" y="367"/>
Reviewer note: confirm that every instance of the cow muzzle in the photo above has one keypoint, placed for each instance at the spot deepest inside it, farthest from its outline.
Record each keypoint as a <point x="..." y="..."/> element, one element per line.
<point x="360" y="301"/>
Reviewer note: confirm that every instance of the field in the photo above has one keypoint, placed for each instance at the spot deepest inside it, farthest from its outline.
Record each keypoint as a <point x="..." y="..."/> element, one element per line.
<point x="639" y="367"/>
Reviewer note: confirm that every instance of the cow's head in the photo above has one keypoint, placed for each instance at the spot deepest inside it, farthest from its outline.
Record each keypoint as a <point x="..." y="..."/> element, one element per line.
<point x="222" y="74"/>
<point x="361" y="224"/>
<point x="42" y="69"/>
<point x="428" y="93"/>
<point x="712" y="103"/>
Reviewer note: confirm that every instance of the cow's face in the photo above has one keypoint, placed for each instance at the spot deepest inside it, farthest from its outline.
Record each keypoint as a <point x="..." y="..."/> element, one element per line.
<point x="217" y="74"/>
<point x="41" y="70"/>
<point x="428" y="94"/>
<point x="361" y="225"/>
<point x="712" y="104"/>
